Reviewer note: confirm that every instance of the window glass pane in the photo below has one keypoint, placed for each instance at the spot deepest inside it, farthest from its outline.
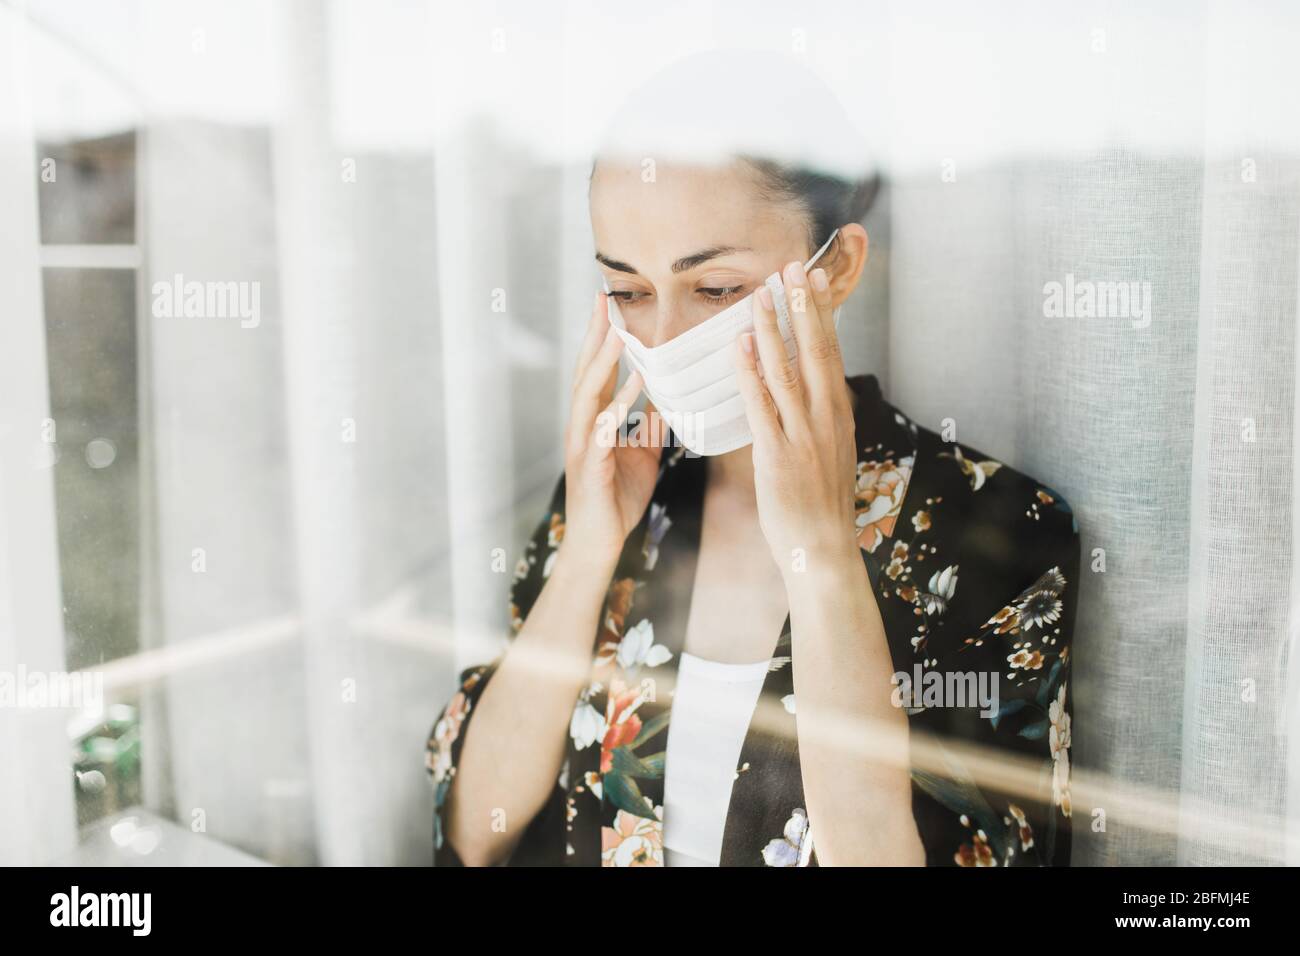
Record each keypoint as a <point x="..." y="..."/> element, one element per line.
<point x="91" y="341"/>
<point x="90" y="335"/>
<point x="87" y="190"/>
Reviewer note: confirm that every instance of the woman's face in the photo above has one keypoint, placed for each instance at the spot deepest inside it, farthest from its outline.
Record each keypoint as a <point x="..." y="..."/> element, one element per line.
<point x="686" y="245"/>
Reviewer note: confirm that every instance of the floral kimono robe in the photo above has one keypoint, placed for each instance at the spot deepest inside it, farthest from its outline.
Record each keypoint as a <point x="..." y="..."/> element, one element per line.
<point x="975" y="568"/>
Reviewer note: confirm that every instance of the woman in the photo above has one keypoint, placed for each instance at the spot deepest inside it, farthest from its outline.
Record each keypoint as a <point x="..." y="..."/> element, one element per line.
<point x="912" y="595"/>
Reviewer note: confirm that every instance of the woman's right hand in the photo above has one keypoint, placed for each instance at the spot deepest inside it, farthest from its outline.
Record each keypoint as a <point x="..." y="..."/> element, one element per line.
<point x="607" y="484"/>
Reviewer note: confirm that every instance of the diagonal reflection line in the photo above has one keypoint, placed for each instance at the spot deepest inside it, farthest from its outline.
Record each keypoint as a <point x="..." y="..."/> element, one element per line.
<point x="138" y="670"/>
<point x="1147" y="808"/>
<point x="991" y="769"/>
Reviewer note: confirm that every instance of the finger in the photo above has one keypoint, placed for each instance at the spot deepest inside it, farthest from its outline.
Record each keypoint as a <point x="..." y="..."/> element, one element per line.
<point x="595" y="335"/>
<point x="653" y="430"/>
<point x="805" y="318"/>
<point x="597" y="381"/>
<point x="820" y="364"/>
<point x="615" y="413"/>
<point x="820" y="282"/>
<point x="761" y="411"/>
<point x="780" y="375"/>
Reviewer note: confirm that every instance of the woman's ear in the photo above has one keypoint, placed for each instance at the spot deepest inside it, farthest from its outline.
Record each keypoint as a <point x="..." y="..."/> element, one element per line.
<point x="850" y="258"/>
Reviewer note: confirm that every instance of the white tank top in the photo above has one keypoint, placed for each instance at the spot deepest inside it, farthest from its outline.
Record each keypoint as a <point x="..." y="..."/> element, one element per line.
<point x="711" y="712"/>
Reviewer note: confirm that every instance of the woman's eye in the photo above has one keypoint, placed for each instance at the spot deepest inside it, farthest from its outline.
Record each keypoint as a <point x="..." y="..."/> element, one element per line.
<point x="711" y="295"/>
<point x="720" y="295"/>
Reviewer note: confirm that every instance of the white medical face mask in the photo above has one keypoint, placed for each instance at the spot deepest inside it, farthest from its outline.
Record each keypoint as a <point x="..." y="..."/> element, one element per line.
<point x="692" y="378"/>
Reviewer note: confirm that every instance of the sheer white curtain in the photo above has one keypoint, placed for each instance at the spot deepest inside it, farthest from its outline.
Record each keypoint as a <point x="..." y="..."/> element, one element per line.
<point x="407" y="181"/>
<point x="1175" y="442"/>
<point x="37" y="817"/>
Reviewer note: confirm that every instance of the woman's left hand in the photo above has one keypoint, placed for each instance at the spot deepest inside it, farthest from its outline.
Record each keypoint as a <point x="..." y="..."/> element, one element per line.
<point x="805" y="454"/>
<point x="805" y="469"/>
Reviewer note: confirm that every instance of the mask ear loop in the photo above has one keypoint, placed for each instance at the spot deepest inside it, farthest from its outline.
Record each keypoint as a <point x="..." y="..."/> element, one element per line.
<point x="826" y="245"/>
<point x="774" y="285"/>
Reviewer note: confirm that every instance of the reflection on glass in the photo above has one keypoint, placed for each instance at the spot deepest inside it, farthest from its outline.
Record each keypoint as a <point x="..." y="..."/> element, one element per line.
<point x="91" y="341"/>
<point x="87" y="190"/>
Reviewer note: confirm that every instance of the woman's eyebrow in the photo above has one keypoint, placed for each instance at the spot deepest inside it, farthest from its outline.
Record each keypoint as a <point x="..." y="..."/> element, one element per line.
<point x="704" y="255"/>
<point x="615" y="264"/>
<point x="684" y="264"/>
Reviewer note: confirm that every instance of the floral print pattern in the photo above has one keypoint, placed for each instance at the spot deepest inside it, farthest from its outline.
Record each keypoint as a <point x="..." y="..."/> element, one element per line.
<point x="977" y="471"/>
<point x="1059" y="738"/>
<point x="795" y="845"/>
<point x="634" y="840"/>
<point x="976" y="853"/>
<point x="445" y="733"/>
<point x="878" y="498"/>
<point x="975" y="569"/>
